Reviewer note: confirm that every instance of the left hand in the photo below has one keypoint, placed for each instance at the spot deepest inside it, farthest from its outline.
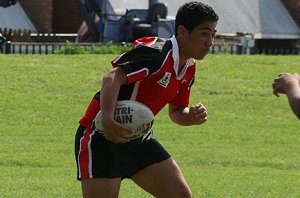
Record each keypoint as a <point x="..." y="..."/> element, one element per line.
<point x="198" y="114"/>
<point x="282" y="81"/>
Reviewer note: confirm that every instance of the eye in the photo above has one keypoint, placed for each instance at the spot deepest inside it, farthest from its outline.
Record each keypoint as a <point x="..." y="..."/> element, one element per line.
<point x="204" y="34"/>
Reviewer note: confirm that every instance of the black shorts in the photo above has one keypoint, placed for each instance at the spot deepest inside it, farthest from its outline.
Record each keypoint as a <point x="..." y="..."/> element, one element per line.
<point x="97" y="157"/>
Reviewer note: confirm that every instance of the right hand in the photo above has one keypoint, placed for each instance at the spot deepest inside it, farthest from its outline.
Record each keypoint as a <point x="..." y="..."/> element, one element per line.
<point x="113" y="129"/>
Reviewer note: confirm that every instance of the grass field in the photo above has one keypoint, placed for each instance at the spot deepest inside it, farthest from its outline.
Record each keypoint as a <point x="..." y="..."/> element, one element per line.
<point x="249" y="147"/>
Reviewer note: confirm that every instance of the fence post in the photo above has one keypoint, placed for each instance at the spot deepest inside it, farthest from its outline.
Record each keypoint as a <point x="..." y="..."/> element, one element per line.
<point x="7" y="47"/>
<point x="239" y="49"/>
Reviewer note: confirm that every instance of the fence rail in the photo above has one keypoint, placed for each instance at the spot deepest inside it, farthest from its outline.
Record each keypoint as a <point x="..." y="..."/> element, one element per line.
<point x="48" y="48"/>
<point x="25" y="35"/>
<point x="38" y="48"/>
<point x="32" y="48"/>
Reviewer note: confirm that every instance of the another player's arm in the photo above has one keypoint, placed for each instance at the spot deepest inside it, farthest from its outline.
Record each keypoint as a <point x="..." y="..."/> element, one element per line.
<point x="186" y="116"/>
<point x="288" y="84"/>
<point x="111" y="84"/>
<point x="293" y="94"/>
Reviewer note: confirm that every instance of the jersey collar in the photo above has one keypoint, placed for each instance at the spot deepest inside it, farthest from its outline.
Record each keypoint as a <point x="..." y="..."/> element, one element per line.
<point x="175" y="55"/>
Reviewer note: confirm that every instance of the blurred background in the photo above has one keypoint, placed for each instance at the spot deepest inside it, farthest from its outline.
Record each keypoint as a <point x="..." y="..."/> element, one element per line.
<point x="245" y="27"/>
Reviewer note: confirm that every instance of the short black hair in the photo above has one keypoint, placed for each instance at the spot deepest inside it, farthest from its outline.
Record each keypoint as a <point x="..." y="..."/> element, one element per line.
<point x="193" y="13"/>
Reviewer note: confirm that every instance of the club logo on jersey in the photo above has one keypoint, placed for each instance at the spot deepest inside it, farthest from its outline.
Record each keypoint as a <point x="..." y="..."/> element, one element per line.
<point x="165" y="80"/>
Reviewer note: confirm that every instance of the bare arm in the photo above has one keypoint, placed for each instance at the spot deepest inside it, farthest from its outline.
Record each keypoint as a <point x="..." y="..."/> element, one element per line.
<point x="289" y="84"/>
<point x="111" y="84"/>
<point x="186" y="116"/>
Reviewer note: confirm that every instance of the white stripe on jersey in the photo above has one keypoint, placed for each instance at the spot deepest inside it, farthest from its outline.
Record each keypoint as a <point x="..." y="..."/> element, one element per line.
<point x="139" y="71"/>
<point x="90" y="155"/>
<point x="135" y="90"/>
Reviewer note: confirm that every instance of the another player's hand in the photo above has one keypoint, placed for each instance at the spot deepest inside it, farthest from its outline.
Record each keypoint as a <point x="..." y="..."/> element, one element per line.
<point x="113" y="129"/>
<point x="282" y="81"/>
<point x="198" y="114"/>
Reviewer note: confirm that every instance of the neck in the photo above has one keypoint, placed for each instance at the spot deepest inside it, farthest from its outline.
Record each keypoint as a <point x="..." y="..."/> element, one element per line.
<point x="182" y="57"/>
<point x="182" y="61"/>
<point x="184" y="52"/>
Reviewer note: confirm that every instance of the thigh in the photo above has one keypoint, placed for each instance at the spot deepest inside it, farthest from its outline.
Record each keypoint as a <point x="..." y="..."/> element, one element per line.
<point x="163" y="179"/>
<point x="100" y="187"/>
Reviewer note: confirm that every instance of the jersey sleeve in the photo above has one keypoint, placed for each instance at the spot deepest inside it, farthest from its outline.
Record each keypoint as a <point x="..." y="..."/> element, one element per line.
<point x="139" y="63"/>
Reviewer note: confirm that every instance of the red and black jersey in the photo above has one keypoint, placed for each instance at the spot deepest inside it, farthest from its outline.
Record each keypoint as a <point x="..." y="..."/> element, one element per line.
<point x="152" y="74"/>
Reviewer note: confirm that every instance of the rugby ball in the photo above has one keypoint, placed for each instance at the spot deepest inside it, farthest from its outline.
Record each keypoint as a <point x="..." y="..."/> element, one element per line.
<point x="133" y="114"/>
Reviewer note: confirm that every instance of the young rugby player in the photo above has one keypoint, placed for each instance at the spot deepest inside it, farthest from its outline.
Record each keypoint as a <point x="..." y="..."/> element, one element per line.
<point x="156" y="72"/>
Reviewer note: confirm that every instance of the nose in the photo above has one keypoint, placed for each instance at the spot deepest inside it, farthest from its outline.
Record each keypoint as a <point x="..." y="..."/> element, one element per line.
<point x="210" y="41"/>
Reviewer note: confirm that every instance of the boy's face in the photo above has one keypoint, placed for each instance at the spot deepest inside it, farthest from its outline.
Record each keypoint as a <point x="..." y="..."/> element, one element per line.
<point x="196" y="44"/>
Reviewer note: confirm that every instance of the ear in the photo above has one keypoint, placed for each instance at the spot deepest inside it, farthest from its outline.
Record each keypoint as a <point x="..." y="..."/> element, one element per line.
<point x="181" y="30"/>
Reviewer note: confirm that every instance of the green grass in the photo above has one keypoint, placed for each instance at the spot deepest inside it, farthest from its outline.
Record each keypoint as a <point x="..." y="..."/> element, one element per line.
<point x="249" y="146"/>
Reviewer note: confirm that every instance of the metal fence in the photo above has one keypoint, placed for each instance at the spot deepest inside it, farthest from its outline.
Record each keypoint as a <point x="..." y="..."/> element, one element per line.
<point x="37" y="47"/>
<point x="31" y="48"/>
<point x="49" y="48"/>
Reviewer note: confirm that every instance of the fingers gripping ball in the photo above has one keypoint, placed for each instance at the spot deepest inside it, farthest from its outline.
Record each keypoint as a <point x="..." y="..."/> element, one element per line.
<point x="133" y="114"/>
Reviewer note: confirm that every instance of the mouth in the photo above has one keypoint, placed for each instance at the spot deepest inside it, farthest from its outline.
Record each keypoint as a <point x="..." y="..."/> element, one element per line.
<point x="206" y="51"/>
